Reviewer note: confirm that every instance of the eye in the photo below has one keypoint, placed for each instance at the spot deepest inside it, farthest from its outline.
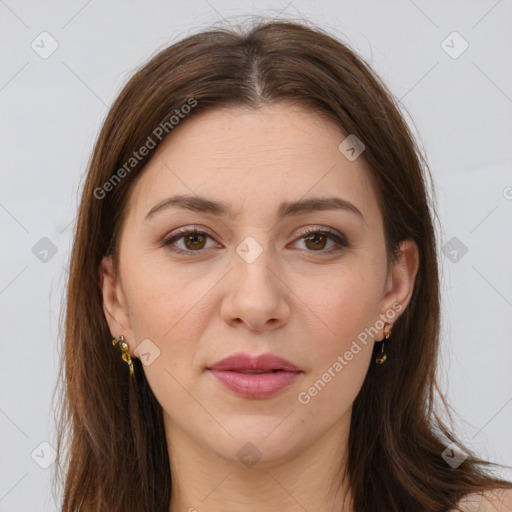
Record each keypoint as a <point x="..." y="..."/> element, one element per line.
<point x="193" y="239"/>
<point x="316" y="240"/>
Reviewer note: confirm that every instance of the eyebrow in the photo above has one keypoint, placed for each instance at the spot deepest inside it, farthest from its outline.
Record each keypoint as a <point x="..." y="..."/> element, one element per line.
<point x="286" y="209"/>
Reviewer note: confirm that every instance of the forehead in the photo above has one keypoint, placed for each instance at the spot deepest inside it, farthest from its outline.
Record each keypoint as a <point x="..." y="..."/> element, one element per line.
<point x="245" y="156"/>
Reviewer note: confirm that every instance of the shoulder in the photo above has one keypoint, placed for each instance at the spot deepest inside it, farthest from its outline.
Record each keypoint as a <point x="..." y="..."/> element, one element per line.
<point x="494" y="500"/>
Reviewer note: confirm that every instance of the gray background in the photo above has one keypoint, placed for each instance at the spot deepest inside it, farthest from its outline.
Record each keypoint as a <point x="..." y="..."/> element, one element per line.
<point x="51" y="111"/>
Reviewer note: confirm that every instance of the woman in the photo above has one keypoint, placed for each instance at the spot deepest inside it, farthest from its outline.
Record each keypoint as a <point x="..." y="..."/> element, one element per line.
<point x="253" y="303"/>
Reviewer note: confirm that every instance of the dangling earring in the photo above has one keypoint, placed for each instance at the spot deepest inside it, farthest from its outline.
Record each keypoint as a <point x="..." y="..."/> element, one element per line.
<point x="381" y="358"/>
<point x="125" y="352"/>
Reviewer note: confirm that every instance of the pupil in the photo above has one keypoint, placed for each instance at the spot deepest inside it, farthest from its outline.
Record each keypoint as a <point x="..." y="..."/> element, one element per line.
<point x="312" y="239"/>
<point x="194" y="238"/>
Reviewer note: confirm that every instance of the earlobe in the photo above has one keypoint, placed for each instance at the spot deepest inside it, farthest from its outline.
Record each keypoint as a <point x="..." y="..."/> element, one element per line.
<point x="113" y="300"/>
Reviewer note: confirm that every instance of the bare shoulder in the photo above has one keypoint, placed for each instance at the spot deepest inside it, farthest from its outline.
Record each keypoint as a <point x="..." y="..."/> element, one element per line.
<point x="495" y="500"/>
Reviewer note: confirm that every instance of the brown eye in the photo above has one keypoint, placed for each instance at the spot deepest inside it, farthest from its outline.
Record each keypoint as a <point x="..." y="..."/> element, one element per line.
<point x="194" y="241"/>
<point x="187" y="241"/>
<point x="316" y="241"/>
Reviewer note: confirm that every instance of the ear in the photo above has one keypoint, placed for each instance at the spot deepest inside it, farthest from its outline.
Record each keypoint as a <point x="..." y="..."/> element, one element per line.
<point x="114" y="304"/>
<point x="400" y="281"/>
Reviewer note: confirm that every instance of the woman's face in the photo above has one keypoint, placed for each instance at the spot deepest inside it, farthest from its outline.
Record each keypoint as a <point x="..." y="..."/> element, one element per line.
<point x="255" y="279"/>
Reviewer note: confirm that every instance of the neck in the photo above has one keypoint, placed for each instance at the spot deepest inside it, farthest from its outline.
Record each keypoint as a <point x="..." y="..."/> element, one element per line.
<point x="311" y="478"/>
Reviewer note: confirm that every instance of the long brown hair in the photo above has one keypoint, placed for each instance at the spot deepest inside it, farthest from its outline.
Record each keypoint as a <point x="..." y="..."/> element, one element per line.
<point x="112" y="449"/>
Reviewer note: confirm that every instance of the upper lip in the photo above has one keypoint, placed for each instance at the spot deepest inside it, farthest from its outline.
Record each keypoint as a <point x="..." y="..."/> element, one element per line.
<point x="242" y="361"/>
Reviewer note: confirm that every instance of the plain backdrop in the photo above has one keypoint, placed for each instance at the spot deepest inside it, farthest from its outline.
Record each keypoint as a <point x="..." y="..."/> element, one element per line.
<point x="457" y="89"/>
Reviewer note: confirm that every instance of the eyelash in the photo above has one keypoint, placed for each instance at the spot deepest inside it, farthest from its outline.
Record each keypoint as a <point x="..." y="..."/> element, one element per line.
<point x="340" y="241"/>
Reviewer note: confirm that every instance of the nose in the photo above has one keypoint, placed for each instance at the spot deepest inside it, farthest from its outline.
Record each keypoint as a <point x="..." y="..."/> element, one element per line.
<point x="255" y="295"/>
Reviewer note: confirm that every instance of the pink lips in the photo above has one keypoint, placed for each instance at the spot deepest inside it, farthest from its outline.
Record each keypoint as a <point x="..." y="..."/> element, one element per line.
<point x="255" y="377"/>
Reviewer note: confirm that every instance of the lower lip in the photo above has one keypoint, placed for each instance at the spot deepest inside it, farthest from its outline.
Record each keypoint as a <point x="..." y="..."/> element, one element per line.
<point x="262" y="385"/>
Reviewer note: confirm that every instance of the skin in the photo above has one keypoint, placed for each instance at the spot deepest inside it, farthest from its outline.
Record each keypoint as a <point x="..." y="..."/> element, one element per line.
<point x="291" y="301"/>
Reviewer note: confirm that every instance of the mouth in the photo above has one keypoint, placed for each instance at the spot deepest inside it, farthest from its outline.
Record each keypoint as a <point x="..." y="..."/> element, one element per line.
<point x="254" y="372"/>
<point x="255" y="377"/>
<point x="264" y="363"/>
<point x="250" y="384"/>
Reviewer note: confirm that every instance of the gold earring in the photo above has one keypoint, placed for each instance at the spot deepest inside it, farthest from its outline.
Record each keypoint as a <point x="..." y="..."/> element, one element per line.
<point x="125" y="352"/>
<point x="381" y="358"/>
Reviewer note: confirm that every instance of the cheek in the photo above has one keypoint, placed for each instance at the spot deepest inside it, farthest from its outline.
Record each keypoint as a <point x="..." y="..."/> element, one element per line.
<point x="346" y="301"/>
<point x="330" y="393"/>
<point x="168" y="306"/>
<point x="339" y="368"/>
<point x="348" y="306"/>
<point x="166" y="301"/>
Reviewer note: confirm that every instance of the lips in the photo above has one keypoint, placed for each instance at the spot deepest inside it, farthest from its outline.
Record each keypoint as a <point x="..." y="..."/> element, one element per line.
<point x="255" y="377"/>
<point x="247" y="363"/>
